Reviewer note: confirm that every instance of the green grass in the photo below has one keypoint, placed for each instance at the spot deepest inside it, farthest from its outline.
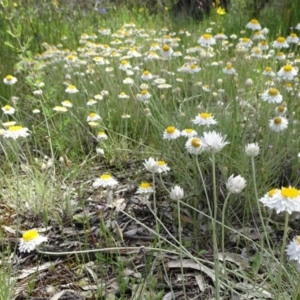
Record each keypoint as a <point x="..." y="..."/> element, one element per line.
<point x="47" y="177"/>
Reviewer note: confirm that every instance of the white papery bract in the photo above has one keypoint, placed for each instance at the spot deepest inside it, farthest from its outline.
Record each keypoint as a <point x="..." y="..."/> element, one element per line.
<point x="213" y="142"/>
<point x="293" y="249"/>
<point x="252" y="149"/>
<point x="176" y="193"/>
<point x="235" y="185"/>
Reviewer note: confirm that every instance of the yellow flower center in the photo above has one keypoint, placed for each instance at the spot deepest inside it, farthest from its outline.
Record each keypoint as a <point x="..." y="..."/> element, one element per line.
<point x="277" y="121"/>
<point x="263" y="43"/>
<point x="229" y="66"/>
<point x="280" y="54"/>
<point x="146" y="73"/>
<point x="101" y="132"/>
<point x="288" y="85"/>
<point x="195" y="142"/>
<point x="273" y="92"/>
<point x="281" y="39"/>
<point x="166" y="48"/>
<point x="268" y="69"/>
<point x="70" y="57"/>
<point x="254" y="21"/>
<point x="193" y="66"/>
<point x="289" y="192"/>
<point x="67" y="102"/>
<point x="170" y="129"/>
<point x="9" y="77"/>
<point x="257" y="32"/>
<point x="122" y="94"/>
<point x="207" y="36"/>
<point x="105" y="176"/>
<point x="161" y="163"/>
<point x="72" y="87"/>
<point x="92" y="115"/>
<point x="281" y="108"/>
<point x="124" y="62"/>
<point x="188" y="130"/>
<point x="30" y="235"/>
<point x="298" y="239"/>
<point x="272" y="192"/>
<point x="144" y="92"/>
<point x="7" y="107"/>
<point x="287" y="68"/>
<point x="205" y="115"/>
<point x="145" y="185"/>
<point x="14" y="128"/>
<point x="245" y="40"/>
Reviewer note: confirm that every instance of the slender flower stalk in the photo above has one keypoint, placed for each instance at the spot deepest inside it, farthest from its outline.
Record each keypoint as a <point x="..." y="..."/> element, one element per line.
<point x="285" y="230"/>
<point x="214" y="227"/>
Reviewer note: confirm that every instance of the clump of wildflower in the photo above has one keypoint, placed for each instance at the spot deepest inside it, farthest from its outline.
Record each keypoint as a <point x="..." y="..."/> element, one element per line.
<point x="30" y="240"/>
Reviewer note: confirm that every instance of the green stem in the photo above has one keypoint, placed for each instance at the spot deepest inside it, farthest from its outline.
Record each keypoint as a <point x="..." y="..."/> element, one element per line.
<point x="214" y="229"/>
<point x="223" y="230"/>
<point x="279" y="278"/>
<point x="180" y="246"/>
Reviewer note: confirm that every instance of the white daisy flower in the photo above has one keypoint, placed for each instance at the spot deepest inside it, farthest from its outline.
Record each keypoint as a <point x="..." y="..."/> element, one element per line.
<point x="188" y="132"/>
<point x="271" y="95"/>
<point x="204" y="119"/>
<point x="194" y="145"/>
<point x="30" y="240"/>
<point x="105" y="180"/>
<point x="286" y="199"/>
<point x="15" y="132"/>
<point x="67" y="103"/>
<point x="60" y="109"/>
<point x="280" y="110"/>
<point x="162" y="167"/>
<point x="253" y="25"/>
<point x="287" y="72"/>
<point x="93" y="117"/>
<point x="10" y="80"/>
<point x="278" y="124"/>
<point x="171" y="133"/>
<point x="293" y="249"/>
<point x="144" y="188"/>
<point x="8" y="110"/>
<point x="101" y="135"/>
<point x="206" y="40"/>
<point x="280" y="43"/>
<point x="71" y="89"/>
